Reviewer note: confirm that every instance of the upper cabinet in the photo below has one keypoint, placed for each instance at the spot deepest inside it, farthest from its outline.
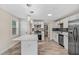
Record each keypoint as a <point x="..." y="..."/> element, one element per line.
<point x="64" y="22"/>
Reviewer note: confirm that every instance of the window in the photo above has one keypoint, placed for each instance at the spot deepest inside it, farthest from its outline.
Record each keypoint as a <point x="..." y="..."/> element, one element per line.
<point x="15" y="27"/>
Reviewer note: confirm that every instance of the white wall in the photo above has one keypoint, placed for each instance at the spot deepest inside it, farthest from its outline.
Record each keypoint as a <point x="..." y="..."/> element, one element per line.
<point x="5" y="31"/>
<point x="24" y="28"/>
<point x="74" y="17"/>
<point x="50" y="25"/>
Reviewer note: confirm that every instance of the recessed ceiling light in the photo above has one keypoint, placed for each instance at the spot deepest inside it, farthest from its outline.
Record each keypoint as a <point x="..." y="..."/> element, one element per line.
<point x="49" y="14"/>
<point x="31" y="12"/>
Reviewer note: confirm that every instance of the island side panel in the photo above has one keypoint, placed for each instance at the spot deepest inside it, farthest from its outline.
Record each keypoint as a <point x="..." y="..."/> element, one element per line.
<point x="29" y="47"/>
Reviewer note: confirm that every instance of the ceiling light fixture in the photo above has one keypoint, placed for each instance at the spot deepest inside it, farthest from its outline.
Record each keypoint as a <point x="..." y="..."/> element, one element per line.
<point x="28" y="5"/>
<point x="49" y="14"/>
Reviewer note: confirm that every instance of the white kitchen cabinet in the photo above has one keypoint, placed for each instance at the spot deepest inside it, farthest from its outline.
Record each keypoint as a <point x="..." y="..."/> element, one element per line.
<point x="55" y="36"/>
<point x="65" y="23"/>
<point x="66" y="42"/>
<point x="55" y="33"/>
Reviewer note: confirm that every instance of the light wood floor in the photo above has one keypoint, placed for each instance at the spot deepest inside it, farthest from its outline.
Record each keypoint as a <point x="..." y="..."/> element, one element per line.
<point x="50" y="48"/>
<point x="44" y="48"/>
<point x="15" y="50"/>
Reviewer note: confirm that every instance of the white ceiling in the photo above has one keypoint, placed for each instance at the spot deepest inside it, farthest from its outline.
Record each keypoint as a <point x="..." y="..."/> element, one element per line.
<point x="41" y="11"/>
<point x="15" y="9"/>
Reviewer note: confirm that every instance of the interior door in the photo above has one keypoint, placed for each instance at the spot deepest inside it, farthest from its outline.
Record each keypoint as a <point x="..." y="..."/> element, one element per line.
<point x="71" y="40"/>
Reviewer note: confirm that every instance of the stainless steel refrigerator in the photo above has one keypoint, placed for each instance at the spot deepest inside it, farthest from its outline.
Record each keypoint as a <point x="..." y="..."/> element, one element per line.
<point x="73" y="37"/>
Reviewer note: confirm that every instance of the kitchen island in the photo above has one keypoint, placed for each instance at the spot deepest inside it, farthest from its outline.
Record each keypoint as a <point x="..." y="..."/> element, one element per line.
<point x="29" y="44"/>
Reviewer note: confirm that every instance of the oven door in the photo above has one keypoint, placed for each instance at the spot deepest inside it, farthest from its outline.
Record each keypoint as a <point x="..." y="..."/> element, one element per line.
<point x="61" y="40"/>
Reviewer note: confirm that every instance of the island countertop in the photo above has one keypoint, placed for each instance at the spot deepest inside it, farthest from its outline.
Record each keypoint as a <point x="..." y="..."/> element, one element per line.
<point x="29" y="44"/>
<point x="27" y="37"/>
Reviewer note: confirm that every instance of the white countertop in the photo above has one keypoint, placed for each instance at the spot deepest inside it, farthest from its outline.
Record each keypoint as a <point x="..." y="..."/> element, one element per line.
<point x="27" y="37"/>
<point x="63" y="33"/>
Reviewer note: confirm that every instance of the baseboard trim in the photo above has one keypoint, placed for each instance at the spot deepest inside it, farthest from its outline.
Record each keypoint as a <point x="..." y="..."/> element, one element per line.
<point x="8" y="48"/>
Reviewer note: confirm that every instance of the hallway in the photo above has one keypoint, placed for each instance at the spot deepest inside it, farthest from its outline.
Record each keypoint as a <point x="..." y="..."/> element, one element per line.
<point x="50" y="48"/>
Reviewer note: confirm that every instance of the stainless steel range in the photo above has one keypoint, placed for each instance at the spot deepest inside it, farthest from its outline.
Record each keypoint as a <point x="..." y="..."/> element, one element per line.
<point x="61" y="40"/>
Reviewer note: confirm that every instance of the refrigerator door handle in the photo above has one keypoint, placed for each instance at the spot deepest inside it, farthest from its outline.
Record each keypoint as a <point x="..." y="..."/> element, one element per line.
<point x="76" y="34"/>
<point x="73" y="34"/>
